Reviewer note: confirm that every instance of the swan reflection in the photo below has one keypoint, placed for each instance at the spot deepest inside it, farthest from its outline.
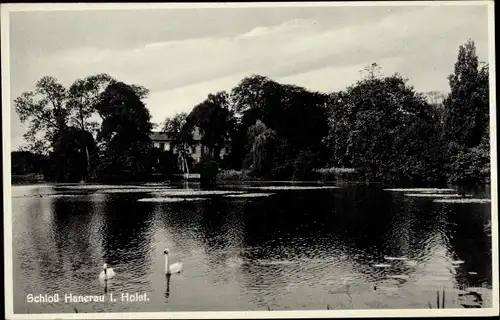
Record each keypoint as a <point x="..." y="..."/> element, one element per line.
<point x="167" y="292"/>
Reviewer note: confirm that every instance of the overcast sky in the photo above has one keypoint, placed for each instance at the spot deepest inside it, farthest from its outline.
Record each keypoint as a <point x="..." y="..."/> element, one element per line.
<point x="183" y="55"/>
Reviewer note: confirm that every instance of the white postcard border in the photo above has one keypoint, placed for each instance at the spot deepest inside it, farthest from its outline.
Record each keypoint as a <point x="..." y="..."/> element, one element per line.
<point x="8" y="273"/>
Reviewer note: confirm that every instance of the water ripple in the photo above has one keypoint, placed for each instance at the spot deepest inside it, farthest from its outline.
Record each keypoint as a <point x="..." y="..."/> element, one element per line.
<point x="359" y="247"/>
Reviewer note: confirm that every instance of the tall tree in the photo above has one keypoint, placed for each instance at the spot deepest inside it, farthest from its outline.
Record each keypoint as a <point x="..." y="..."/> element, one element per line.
<point x="467" y="105"/>
<point x="372" y="71"/>
<point x="252" y="93"/>
<point x="297" y="116"/>
<point x="124" y="130"/>
<point x="261" y="142"/>
<point x="467" y="120"/>
<point x="68" y="156"/>
<point x="175" y="127"/>
<point x="47" y="112"/>
<point x="384" y="129"/>
<point x="85" y="94"/>
<point x="53" y="112"/>
<point x="83" y="97"/>
<point x="182" y="138"/>
<point x="214" y="119"/>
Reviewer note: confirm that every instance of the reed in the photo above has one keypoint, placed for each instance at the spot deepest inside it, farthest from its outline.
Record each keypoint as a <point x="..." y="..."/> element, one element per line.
<point x="442" y="302"/>
<point x="438" y="300"/>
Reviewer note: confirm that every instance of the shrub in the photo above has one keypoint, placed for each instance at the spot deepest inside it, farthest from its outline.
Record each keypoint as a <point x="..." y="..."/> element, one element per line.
<point x="469" y="167"/>
<point x="208" y="169"/>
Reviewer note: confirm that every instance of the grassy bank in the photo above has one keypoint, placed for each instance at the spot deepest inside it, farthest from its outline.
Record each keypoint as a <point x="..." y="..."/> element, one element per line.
<point x="235" y="175"/>
<point x="324" y="174"/>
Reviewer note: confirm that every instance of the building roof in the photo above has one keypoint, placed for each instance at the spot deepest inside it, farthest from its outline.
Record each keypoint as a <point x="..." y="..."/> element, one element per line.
<point x="159" y="136"/>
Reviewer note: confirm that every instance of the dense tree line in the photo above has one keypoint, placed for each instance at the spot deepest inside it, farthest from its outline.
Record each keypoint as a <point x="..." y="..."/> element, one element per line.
<point x="25" y="162"/>
<point x="380" y="127"/>
<point x="98" y="128"/>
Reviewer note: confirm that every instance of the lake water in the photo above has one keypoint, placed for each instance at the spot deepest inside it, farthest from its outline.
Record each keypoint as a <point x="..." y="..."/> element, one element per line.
<point x="354" y="246"/>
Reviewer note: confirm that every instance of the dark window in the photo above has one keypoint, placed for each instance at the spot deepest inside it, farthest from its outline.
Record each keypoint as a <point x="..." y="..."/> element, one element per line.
<point x="162" y="145"/>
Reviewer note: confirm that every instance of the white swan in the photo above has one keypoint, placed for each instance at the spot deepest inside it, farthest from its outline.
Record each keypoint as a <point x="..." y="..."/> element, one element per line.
<point x="106" y="273"/>
<point x="172" y="268"/>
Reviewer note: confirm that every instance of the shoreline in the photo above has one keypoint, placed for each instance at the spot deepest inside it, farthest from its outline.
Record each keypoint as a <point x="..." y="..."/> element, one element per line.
<point x="223" y="182"/>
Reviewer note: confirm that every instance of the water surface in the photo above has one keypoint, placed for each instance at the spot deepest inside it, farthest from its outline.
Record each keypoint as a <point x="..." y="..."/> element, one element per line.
<point x="354" y="246"/>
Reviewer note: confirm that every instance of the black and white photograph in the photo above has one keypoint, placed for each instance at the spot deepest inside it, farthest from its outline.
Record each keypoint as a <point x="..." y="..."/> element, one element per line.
<point x="249" y="160"/>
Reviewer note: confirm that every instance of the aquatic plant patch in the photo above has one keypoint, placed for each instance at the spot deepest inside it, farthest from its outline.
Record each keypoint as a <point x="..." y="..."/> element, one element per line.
<point x="294" y="187"/>
<point x="30" y="186"/>
<point x="395" y="258"/>
<point x="193" y="192"/>
<point x="466" y="200"/>
<point x="132" y="190"/>
<point x="171" y="199"/>
<point x="436" y="190"/>
<point x="65" y="195"/>
<point x="382" y="265"/>
<point x="108" y="187"/>
<point x="411" y="263"/>
<point x="49" y="195"/>
<point x="434" y="195"/>
<point x="249" y="195"/>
